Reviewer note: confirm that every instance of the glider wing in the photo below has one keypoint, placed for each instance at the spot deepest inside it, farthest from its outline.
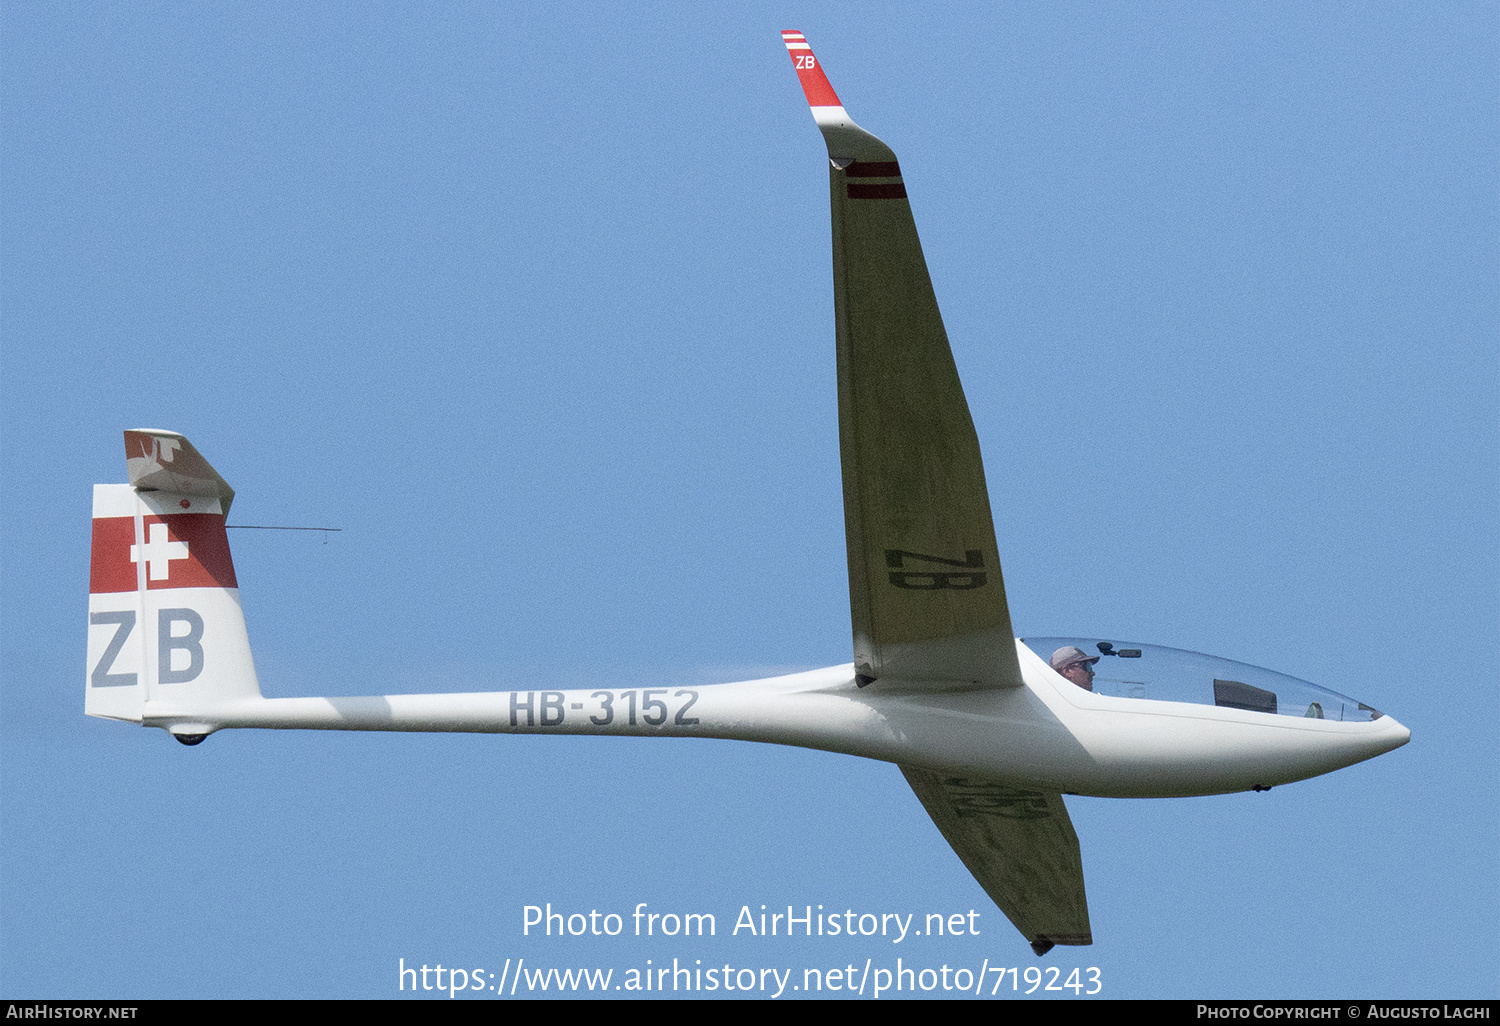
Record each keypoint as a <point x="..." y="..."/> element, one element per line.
<point x="1019" y="845"/>
<point x="925" y="589"/>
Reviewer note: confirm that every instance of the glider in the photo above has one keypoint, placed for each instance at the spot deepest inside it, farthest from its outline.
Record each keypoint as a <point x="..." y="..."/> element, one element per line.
<point x="990" y="730"/>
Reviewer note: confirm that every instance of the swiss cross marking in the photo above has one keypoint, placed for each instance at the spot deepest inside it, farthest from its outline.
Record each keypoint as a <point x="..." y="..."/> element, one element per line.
<point x="160" y="552"/>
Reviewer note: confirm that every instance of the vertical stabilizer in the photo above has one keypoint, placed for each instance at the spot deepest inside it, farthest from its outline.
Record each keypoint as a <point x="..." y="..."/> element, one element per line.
<point x="167" y="641"/>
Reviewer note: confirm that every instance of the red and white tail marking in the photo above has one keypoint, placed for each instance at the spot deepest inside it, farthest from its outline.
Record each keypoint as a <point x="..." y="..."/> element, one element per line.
<point x="167" y="642"/>
<point x="181" y="550"/>
<point x="164" y="461"/>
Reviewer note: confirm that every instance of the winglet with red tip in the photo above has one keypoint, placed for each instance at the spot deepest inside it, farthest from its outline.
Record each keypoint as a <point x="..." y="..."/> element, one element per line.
<point x="847" y="142"/>
<point x="814" y="82"/>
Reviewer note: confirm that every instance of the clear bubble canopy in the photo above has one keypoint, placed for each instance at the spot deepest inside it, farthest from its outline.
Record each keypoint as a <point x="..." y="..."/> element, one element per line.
<point x="1130" y="670"/>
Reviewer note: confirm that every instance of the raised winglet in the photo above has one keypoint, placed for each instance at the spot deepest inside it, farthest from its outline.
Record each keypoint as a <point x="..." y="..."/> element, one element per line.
<point x="846" y="141"/>
<point x="814" y="83"/>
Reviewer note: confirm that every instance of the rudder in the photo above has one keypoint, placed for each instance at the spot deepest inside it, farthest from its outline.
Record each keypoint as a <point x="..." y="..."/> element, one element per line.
<point x="167" y="643"/>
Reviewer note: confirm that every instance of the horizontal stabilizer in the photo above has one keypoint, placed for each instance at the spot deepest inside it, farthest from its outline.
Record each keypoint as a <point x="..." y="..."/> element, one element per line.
<point x="164" y="461"/>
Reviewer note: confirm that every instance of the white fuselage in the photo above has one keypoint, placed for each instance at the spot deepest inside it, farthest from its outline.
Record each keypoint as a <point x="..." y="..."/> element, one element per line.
<point x="1049" y="735"/>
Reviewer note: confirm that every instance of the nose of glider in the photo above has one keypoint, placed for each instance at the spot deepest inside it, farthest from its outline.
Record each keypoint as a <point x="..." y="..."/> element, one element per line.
<point x="1373" y="738"/>
<point x="1394" y="733"/>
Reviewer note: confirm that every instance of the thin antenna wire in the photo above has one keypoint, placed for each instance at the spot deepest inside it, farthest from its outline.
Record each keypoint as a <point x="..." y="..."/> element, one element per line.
<point x="259" y="527"/>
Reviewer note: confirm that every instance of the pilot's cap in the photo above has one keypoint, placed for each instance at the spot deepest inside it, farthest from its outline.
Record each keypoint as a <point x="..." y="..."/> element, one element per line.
<point x="1068" y="655"/>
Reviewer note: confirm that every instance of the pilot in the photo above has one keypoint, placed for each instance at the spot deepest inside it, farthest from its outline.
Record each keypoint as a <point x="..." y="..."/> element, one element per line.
<point x="1076" y="665"/>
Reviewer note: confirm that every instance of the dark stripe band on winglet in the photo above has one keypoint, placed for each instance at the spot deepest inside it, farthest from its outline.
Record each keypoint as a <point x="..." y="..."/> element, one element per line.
<point x="873" y="169"/>
<point x="861" y="191"/>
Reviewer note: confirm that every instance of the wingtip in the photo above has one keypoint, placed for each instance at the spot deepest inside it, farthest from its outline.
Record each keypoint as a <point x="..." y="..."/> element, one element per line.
<point x="815" y="85"/>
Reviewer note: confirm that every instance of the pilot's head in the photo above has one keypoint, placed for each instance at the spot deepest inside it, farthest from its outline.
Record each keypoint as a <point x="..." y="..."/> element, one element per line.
<point x="1076" y="665"/>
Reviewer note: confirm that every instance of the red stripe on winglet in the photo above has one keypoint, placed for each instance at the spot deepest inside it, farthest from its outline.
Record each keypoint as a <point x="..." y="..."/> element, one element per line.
<point x="814" y="83"/>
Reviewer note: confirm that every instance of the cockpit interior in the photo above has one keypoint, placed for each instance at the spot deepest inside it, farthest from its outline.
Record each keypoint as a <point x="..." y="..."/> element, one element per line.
<point x="1132" y="670"/>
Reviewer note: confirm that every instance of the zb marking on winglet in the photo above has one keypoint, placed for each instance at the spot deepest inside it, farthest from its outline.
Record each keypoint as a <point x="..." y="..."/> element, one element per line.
<point x="935" y="580"/>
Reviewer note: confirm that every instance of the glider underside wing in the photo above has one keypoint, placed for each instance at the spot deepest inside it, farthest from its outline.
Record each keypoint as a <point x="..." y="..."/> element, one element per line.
<point x="1019" y="845"/>
<point x="925" y="589"/>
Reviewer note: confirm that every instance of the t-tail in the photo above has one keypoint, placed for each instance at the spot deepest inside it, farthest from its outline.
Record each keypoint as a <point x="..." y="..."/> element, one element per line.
<point x="166" y="638"/>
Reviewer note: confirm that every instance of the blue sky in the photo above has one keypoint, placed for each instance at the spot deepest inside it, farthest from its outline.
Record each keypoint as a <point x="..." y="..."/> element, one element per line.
<point x="535" y="304"/>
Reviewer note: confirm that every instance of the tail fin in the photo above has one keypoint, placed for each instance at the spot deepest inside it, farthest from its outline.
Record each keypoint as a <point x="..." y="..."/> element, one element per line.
<point x="167" y="640"/>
